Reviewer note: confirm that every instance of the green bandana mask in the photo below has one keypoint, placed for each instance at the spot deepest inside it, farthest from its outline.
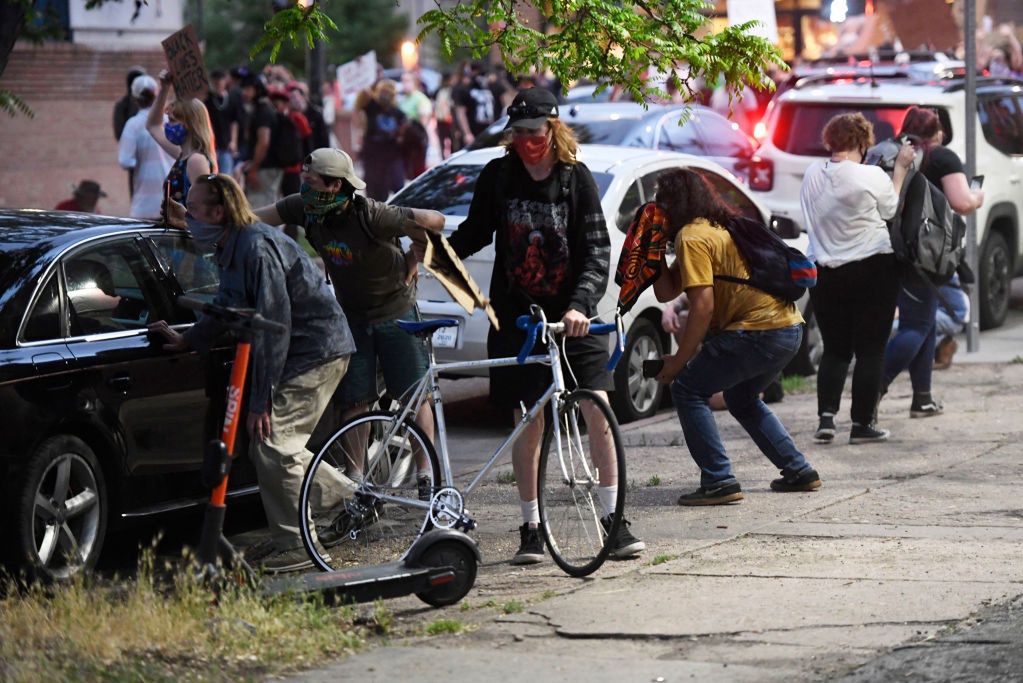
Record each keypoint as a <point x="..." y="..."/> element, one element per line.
<point x="318" y="204"/>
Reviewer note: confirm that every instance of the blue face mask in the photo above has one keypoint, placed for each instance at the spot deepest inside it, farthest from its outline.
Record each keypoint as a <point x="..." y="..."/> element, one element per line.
<point x="175" y="133"/>
<point x="206" y="235"/>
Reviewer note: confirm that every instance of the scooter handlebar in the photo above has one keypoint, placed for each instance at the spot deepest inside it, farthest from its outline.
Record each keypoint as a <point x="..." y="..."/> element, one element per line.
<point x="245" y="318"/>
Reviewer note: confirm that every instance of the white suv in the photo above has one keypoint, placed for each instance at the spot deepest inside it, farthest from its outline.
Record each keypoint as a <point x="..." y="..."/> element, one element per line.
<point x="797" y="118"/>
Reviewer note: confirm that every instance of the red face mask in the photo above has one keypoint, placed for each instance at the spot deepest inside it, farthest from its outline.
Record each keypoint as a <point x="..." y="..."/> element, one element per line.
<point x="532" y="148"/>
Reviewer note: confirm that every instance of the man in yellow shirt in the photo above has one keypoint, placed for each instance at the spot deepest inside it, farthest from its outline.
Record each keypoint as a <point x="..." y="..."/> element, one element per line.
<point x="747" y="337"/>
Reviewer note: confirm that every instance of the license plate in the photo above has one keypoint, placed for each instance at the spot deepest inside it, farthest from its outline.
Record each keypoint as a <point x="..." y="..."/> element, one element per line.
<point x="445" y="337"/>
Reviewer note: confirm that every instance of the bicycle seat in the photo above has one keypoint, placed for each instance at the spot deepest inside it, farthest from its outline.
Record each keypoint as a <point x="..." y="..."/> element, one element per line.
<point x="426" y="326"/>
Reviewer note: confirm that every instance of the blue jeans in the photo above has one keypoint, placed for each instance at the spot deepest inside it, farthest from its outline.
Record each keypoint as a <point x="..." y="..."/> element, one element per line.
<point x="225" y="162"/>
<point x="913" y="345"/>
<point x="740" y="363"/>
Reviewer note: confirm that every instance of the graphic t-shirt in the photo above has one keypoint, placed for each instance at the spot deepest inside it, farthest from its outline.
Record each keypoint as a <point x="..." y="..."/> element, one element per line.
<point x="479" y="103"/>
<point x="704" y="250"/>
<point x="368" y="271"/>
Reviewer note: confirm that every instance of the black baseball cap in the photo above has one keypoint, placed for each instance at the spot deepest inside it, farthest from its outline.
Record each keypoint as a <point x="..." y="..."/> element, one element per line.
<point x="531" y="108"/>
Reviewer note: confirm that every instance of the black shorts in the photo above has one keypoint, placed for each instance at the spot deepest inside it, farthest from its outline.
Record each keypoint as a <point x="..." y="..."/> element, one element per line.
<point x="509" y="385"/>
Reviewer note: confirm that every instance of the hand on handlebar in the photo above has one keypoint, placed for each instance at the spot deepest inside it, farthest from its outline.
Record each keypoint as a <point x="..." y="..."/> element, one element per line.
<point x="175" y="340"/>
<point x="576" y="324"/>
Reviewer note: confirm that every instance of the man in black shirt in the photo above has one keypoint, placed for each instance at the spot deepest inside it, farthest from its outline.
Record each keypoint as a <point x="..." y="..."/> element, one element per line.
<point x="475" y="106"/>
<point x="541" y="209"/>
<point x="262" y="173"/>
<point x="220" y="107"/>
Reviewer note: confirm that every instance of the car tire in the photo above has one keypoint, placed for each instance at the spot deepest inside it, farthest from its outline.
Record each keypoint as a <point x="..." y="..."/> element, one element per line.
<point x="994" y="279"/>
<point x="635" y="396"/>
<point x="60" y="510"/>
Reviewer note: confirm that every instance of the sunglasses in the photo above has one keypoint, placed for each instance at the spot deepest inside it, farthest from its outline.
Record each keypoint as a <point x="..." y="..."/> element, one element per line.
<point x="531" y="111"/>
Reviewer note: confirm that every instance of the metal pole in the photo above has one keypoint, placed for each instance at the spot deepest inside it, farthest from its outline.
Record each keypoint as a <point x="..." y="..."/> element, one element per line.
<point x="315" y="65"/>
<point x="970" y="40"/>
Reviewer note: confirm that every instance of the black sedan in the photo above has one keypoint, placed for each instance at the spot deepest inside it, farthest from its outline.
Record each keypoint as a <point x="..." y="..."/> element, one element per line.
<point x="100" y="424"/>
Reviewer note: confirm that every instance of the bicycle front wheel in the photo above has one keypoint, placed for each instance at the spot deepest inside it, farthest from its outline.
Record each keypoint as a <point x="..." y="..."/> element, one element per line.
<point x="586" y="455"/>
<point x="359" y="527"/>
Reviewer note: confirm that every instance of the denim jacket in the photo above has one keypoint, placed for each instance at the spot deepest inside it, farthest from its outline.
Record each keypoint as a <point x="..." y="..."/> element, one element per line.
<point x="262" y="268"/>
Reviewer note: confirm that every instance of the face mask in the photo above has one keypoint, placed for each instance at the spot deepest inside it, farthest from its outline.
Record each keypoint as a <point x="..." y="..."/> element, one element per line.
<point x="318" y="203"/>
<point x="175" y="133"/>
<point x="206" y="235"/>
<point x="532" y="149"/>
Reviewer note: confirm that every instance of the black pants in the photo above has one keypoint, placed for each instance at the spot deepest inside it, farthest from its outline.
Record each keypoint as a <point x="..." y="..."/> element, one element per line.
<point x="855" y="305"/>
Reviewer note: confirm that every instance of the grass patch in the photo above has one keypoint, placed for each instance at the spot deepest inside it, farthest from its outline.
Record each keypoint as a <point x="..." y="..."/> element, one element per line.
<point x="507" y="477"/>
<point x="444" y="626"/>
<point x="654" y="481"/>
<point x="661" y="559"/>
<point x="512" y="607"/>
<point x="1018" y="360"/>
<point x="490" y="603"/>
<point x="165" y="628"/>
<point x="796" y="384"/>
<point x="548" y="594"/>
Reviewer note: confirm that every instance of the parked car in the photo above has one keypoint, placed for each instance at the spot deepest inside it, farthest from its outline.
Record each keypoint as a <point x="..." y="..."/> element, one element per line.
<point x="100" y="424"/>
<point x="797" y="117"/>
<point x="704" y="134"/>
<point x="626" y="178"/>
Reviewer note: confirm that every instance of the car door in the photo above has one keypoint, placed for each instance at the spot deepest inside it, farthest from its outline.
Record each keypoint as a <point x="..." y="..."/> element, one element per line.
<point x="154" y="399"/>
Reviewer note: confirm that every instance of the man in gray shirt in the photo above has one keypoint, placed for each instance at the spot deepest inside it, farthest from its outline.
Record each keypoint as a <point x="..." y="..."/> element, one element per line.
<point x="357" y="238"/>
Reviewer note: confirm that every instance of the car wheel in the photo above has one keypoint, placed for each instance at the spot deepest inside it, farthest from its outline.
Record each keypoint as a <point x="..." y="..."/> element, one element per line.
<point x="60" y="513"/>
<point x="636" y="396"/>
<point x="995" y="280"/>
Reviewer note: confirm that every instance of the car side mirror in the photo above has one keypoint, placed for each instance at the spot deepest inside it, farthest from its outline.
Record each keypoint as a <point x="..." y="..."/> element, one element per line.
<point x="785" y="228"/>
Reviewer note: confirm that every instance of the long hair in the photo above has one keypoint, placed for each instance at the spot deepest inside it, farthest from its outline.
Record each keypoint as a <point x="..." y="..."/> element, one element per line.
<point x="566" y="147"/>
<point x="224" y="191"/>
<point x="193" y="115"/>
<point x="685" y="195"/>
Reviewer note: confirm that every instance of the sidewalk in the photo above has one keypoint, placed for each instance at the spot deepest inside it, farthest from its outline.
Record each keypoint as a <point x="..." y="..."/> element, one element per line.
<point x="904" y="543"/>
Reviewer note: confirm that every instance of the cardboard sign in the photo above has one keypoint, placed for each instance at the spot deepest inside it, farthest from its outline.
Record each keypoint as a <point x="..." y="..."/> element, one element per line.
<point x="938" y="31"/>
<point x="449" y="270"/>
<point x="358" y="74"/>
<point x="184" y="59"/>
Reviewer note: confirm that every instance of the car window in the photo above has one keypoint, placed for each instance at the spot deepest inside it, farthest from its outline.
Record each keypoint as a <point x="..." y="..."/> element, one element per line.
<point x="111" y="288"/>
<point x="649" y="184"/>
<point x="684" y="138"/>
<point x="448" y="188"/>
<point x="627" y="209"/>
<point x="732" y="195"/>
<point x="44" y="321"/>
<point x="195" y="270"/>
<point x="798" y="125"/>
<point x="722" y="138"/>
<point x="1001" y="119"/>
<point x="610" y="132"/>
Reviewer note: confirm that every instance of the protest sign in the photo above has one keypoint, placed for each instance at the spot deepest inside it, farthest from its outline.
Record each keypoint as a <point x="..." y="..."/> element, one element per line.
<point x="449" y="270"/>
<point x="358" y="74"/>
<point x="185" y="62"/>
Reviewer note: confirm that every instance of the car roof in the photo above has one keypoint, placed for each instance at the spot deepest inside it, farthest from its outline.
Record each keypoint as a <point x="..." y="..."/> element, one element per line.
<point x="24" y="228"/>
<point x="598" y="158"/>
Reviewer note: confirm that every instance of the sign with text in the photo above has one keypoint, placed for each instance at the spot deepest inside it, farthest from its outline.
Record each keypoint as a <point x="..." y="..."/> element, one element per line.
<point x="741" y="11"/>
<point x="358" y="74"/>
<point x="938" y="32"/>
<point x="184" y="59"/>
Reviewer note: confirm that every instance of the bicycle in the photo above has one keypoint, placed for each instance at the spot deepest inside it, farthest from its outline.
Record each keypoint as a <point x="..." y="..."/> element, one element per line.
<point x="393" y="505"/>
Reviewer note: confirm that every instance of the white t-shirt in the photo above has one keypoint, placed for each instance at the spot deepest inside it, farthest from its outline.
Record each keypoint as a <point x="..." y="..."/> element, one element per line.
<point x="139" y="151"/>
<point x="845" y="205"/>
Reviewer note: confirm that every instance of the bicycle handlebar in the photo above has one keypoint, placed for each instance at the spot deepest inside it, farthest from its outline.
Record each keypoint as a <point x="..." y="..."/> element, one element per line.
<point x="534" y="325"/>
<point x="239" y="318"/>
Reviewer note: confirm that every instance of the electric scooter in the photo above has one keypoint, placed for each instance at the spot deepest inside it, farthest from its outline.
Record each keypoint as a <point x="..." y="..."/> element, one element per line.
<point x="440" y="568"/>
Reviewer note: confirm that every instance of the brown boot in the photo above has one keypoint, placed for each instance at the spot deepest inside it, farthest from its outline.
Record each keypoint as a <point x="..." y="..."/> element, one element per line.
<point x="943" y="353"/>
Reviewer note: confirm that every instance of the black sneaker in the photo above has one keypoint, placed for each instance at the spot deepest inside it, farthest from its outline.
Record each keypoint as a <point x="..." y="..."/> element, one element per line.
<point x="807" y="480"/>
<point x="355" y="517"/>
<point x="825" y="429"/>
<point x="424" y="488"/>
<point x="715" y="496"/>
<point x="867" y="433"/>
<point x="530" y="546"/>
<point x="625" y="544"/>
<point x="929" y="409"/>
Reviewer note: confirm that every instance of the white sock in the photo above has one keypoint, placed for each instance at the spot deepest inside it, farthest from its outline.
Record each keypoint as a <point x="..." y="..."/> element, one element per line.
<point x="608" y="496"/>
<point x="530" y="512"/>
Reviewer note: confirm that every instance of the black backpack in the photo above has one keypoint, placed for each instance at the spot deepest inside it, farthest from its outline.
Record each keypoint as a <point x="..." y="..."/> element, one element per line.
<point x="285" y="142"/>
<point x="774" y="266"/>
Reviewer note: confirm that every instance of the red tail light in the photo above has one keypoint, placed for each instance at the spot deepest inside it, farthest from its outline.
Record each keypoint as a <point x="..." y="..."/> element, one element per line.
<point x="761" y="174"/>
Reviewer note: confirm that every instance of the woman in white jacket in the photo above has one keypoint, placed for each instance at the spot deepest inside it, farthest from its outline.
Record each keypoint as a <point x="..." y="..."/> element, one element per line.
<point x="846" y="205"/>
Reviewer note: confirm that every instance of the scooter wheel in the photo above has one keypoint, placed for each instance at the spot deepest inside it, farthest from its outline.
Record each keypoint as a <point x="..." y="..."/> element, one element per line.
<point x="455" y="554"/>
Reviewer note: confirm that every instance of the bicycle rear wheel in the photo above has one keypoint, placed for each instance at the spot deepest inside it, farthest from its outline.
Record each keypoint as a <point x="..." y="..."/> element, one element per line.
<point x="357" y="527"/>
<point x="586" y="455"/>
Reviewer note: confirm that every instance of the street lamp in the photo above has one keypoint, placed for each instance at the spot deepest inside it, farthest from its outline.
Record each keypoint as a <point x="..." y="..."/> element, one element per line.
<point x="409" y="55"/>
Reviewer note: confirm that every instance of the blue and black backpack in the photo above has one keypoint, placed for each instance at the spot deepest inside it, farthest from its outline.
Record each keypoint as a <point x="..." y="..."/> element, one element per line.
<point x="775" y="267"/>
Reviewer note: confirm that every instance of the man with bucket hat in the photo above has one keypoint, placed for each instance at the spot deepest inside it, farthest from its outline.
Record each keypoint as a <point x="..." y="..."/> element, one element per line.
<point x="84" y="198"/>
<point x="373" y="278"/>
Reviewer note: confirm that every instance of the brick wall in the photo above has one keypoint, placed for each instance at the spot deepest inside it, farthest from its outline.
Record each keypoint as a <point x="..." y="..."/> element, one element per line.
<point x="72" y="90"/>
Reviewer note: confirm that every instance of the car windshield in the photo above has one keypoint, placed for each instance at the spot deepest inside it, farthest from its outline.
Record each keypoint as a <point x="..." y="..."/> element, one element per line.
<point x="799" y="124"/>
<point x="449" y="188"/>
<point x="610" y="132"/>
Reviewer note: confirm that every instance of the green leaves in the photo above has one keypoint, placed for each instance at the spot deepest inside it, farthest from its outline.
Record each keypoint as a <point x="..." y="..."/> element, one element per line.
<point x="13" y="105"/>
<point x="293" y="24"/>
<point x="609" y="42"/>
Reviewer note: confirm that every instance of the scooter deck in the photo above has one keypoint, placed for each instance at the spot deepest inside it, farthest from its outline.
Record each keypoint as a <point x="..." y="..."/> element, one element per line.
<point x="363" y="584"/>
